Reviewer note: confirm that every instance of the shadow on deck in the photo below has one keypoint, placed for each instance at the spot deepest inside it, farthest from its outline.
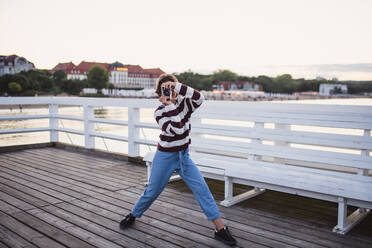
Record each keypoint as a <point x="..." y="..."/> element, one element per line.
<point x="52" y="197"/>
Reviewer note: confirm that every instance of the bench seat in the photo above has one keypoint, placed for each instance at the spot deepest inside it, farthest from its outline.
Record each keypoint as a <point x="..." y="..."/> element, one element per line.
<point x="329" y="183"/>
<point x="320" y="184"/>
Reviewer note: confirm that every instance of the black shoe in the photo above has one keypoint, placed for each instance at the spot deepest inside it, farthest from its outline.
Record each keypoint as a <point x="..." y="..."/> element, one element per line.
<point x="127" y="221"/>
<point x="225" y="236"/>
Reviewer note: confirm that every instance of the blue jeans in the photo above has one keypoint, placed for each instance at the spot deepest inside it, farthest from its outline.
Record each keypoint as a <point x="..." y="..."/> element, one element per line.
<point x="163" y="166"/>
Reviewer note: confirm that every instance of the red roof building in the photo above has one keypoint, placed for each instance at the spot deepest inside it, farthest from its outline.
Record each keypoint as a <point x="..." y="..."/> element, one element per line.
<point x="66" y="67"/>
<point x="122" y="76"/>
<point x="154" y="71"/>
<point x="84" y="67"/>
<point x="13" y="64"/>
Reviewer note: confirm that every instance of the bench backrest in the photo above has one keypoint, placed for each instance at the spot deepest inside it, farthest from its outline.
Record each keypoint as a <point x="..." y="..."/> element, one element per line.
<point x="330" y="137"/>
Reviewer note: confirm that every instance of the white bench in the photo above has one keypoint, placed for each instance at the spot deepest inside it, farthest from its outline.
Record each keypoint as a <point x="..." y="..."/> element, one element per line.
<point x="317" y="151"/>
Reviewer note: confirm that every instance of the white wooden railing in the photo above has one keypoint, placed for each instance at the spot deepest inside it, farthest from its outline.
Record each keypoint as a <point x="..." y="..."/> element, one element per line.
<point x="282" y="115"/>
<point x="88" y="118"/>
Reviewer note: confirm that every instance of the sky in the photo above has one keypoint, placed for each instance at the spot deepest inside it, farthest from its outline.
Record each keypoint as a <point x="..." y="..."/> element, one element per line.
<point x="306" y="38"/>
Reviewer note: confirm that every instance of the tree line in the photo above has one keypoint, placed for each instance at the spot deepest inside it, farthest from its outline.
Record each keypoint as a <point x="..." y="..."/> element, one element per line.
<point x="280" y="84"/>
<point x="41" y="82"/>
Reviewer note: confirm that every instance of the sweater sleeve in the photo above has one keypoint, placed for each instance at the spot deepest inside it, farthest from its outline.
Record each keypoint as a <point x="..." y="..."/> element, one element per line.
<point x="196" y="97"/>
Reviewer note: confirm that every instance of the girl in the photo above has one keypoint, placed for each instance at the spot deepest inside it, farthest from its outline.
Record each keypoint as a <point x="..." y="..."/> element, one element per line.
<point x="172" y="154"/>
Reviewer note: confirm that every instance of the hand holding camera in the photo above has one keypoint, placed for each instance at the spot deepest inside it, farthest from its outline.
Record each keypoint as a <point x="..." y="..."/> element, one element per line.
<point x="166" y="92"/>
<point x="169" y="85"/>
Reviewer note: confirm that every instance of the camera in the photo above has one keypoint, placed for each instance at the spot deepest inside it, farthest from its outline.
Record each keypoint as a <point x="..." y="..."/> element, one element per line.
<point x="165" y="91"/>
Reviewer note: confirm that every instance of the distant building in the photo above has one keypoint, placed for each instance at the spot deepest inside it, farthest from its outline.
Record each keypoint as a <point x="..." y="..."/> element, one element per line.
<point x="238" y="85"/>
<point x="120" y="75"/>
<point x="319" y="78"/>
<point x="68" y="68"/>
<point x="331" y="89"/>
<point x="335" y="79"/>
<point x="14" y="64"/>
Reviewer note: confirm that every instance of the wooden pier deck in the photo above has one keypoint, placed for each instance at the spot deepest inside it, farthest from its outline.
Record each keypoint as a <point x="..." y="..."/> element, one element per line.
<point x="52" y="197"/>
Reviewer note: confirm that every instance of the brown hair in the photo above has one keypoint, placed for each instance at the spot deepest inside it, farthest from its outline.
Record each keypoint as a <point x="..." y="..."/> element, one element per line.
<point x="162" y="79"/>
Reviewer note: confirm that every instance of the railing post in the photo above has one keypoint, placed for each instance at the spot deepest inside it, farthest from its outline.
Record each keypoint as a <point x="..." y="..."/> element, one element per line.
<point x="365" y="152"/>
<point x="259" y="125"/>
<point x="88" y="126"/>
<point x="364" y="172"/>
<point x="281" y="143"/>
<point x="133" y="131"/>
<point x="53" y="122"/>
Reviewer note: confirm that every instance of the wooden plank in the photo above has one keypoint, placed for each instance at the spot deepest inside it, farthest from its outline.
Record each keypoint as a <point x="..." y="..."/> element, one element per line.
<point x="97" y="229"/>
<point x="29" y="191"/>
<point x="54" y="175"/>
<point x="96" y="162"/>
<point x="50" y="231"/>
<point x="142" y="224"/>
<point x="6" y="207"/>
<point x="72" y="190"/>
<point x="95" y="168"/>
<point x="39" y="186"/>
<point x="78" y="175"/>
<point x="167" y="214"/>
<point x="2" y="245"/>
<point x="132" y="172"/>
<point x="12" y="239"/>
<point x="90" y="161"/>
<point x="81" y="233"/>
<point x="92" y="152"/>
<point x="28" y="233"/>
<point x="46" y="229"/>
<point x="110" y="159"/>
<point x="28" y="179"/>
<point x="155" y="239"/>
<point x="87" y="172"/>
<point x="22" y="196"/>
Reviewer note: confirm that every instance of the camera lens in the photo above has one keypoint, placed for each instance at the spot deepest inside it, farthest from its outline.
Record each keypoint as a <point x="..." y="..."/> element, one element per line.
<point x="166" y="91"/>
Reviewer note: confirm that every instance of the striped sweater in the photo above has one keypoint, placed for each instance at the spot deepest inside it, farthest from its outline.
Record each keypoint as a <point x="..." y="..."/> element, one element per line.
<point x="174" y="119"/>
